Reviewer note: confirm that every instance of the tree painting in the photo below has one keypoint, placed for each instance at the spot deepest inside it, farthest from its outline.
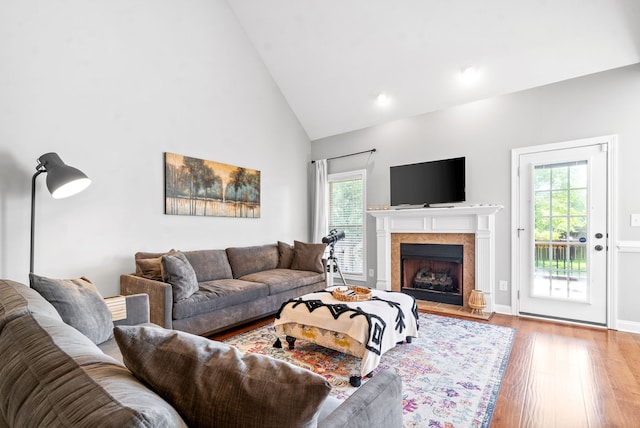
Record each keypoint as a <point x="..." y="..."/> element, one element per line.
<point x="200" y="187"/>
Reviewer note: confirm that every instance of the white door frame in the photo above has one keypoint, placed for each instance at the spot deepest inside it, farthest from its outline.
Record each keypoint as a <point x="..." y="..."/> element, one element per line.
<point x="612" y="255"/>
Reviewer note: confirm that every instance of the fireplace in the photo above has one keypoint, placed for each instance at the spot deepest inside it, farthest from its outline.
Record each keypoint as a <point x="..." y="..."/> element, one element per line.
<point x="470" y="226"/>
<point x="433" y="272"/>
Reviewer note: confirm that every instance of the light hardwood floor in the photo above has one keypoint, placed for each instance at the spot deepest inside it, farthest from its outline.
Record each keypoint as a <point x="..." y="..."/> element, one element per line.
<point x="562" y="375"/>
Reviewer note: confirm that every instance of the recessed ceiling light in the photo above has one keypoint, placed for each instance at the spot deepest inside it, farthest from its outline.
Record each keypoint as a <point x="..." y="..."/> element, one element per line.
<point x="382" y="99"/>
<point x="469" y="74"/>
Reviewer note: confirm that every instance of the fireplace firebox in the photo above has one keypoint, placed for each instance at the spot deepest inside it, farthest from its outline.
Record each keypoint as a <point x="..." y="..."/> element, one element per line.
<point x="432" y="272"/>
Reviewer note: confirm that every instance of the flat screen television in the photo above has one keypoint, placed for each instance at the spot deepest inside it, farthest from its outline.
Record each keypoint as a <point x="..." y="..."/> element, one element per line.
<point x="428" y="183"/>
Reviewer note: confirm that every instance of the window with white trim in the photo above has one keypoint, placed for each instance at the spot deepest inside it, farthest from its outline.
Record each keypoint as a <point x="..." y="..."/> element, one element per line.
<point x="347" y="193"/>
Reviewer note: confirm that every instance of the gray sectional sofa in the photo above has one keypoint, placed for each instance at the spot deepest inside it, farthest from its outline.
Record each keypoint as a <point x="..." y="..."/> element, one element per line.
<point x="232" y="286"/>
<point x="52" y="375"/>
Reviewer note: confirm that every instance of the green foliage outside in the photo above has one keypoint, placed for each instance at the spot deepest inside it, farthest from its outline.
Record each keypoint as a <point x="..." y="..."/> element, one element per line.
<point x="560" y="204"/>
<point x="560" y="207"/>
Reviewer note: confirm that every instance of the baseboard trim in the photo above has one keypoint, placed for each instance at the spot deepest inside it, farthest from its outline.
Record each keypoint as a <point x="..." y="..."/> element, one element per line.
<point x="503" y="309"/>
<point x="629" y="326"/>
<point x="622" y="325"/>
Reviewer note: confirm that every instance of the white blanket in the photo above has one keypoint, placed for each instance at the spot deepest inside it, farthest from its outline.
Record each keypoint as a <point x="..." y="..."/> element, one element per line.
<point x="378" y="324"/>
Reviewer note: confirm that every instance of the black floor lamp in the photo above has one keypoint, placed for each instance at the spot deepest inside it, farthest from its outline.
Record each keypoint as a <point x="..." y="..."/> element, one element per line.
<point x="62" y="181"/>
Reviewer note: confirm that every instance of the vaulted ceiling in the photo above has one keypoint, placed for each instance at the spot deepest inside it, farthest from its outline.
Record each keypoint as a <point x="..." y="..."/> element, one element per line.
<point x="332" y="58"/>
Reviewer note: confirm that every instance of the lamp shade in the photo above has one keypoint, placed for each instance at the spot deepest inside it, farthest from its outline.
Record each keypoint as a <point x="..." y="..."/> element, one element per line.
<point x="62" y="180"/>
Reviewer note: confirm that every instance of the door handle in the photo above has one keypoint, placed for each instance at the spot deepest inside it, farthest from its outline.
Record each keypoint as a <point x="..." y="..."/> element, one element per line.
<point x="598" y="248"/>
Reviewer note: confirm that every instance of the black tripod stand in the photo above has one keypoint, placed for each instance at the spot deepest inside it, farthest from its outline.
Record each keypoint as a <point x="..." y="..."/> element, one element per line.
<point x="332" y="266"/>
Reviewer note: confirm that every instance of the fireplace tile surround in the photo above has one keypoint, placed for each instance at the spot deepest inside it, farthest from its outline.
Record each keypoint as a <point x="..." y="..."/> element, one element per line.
<point x="470" y="226"/>
<point x="467" y="240"/>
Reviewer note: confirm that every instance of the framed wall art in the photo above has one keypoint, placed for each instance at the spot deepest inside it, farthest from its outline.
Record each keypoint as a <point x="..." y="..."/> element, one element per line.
<point x="206" y="188"/>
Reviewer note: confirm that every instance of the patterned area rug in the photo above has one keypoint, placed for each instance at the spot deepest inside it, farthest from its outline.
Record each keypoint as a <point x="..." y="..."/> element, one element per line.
<point x="451" y="374"/>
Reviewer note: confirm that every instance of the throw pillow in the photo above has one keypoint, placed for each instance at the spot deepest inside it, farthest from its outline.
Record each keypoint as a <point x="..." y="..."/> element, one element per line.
<point x="150" y="268"/>
<point x="149" y="265"/>
<point x="214" y="385"/>
<point x="285" y="253"/>
<point x="177" y="271"/>
<point x="308" y="256"/>
<point x="79" y="304"/>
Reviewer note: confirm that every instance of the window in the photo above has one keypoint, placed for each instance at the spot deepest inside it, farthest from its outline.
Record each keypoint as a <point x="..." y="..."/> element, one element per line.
<point x="346" y="213"/>
<point x="561" y="213"/>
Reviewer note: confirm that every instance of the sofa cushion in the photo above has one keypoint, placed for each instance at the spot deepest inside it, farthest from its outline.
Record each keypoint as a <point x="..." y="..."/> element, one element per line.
<point x="217" y="294"/>
<point x="79" y="303"/>
<point x="214" y="385"/>
<point x="177" y="271"/>
<point x="308" y="256"/>
<point x="210" y="264"/>
<point x="246" y="260"/>
<point x="279" y="280"/>
<point x="285" y="254"/>
<point x="52" y="375"/>
<point x="17" y="299"/>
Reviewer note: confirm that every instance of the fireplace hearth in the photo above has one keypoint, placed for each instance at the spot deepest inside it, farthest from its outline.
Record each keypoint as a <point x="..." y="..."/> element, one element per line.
<point x="433" y="272"/>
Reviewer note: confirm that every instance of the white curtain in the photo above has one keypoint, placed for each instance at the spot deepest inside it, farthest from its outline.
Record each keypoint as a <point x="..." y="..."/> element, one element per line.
<point x="320" y="220"/>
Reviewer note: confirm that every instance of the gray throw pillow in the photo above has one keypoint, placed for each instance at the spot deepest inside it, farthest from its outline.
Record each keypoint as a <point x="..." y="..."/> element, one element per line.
<point x="285" y="253"/>
<point x="177" y="271"/>
<point x="213" y="384"/>
<point x="308" y="256"/>
<point x="79" y="304"/>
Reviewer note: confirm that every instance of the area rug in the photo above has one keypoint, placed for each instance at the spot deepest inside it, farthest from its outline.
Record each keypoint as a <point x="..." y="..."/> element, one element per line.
<point x="451" y="373"/>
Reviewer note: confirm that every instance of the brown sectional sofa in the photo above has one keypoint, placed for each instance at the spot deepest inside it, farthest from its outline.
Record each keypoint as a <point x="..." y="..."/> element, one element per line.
<point x="53" y="376"/>
<point x="234" y="286"/>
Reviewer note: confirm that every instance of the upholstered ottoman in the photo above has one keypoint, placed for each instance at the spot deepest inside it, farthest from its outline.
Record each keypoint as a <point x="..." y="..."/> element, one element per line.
<point x="365" y="329"/>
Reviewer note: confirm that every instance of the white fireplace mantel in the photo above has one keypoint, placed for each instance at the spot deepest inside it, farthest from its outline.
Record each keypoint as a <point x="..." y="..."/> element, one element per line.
<point x="476" y="219"/>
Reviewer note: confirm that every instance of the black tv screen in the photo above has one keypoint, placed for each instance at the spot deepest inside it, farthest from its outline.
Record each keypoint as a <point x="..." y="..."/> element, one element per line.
<point x="425" y="183"/>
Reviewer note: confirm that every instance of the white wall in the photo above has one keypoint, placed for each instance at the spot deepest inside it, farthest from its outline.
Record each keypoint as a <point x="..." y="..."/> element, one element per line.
<point x="487" y="130"/>
<point x="112" y="85"/>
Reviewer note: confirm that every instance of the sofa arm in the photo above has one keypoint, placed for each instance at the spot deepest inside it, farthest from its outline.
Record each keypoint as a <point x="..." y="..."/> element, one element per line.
<point x="377" y="403"/>
<point x="160" y="297"/>
<point x="137" y="310"/>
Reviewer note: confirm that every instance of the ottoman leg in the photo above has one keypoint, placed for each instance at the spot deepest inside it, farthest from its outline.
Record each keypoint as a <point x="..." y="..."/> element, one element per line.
<point x="409" y="339"/>
<point x="277" y="344"/>
<point x="355" y="381"/>
<point x="291" y="341"/>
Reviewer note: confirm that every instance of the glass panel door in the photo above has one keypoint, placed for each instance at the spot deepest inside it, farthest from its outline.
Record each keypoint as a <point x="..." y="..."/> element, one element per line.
<point x="562" y="234"/>
<point x="560" y="210"/>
